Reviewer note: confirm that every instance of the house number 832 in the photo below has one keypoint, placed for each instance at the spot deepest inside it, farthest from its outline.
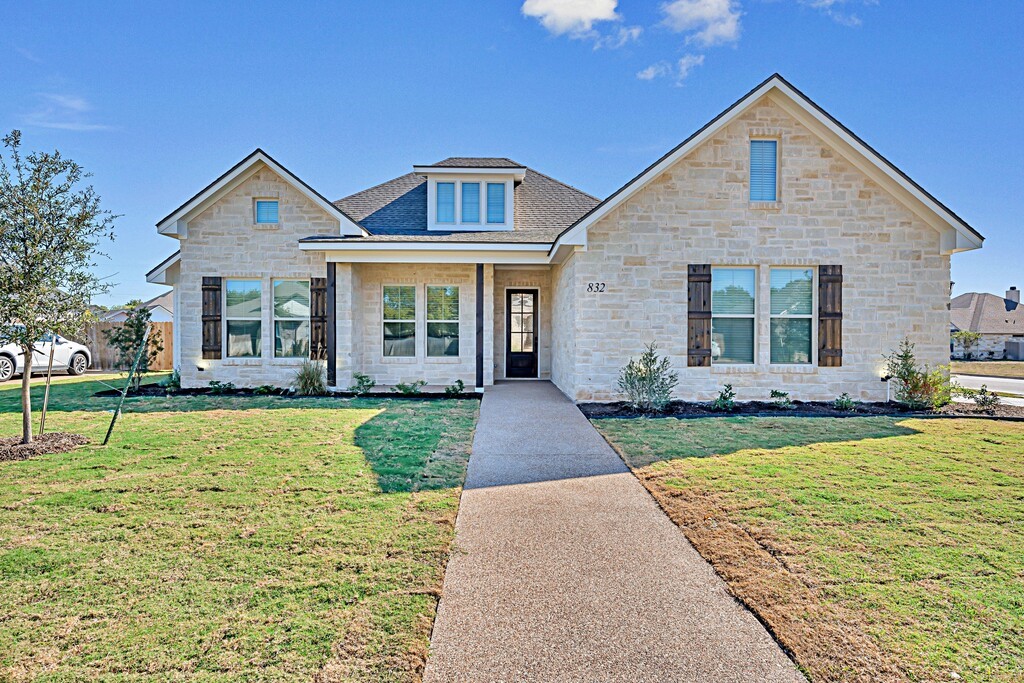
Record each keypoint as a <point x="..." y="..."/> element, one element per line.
<point x="595" y="287"/>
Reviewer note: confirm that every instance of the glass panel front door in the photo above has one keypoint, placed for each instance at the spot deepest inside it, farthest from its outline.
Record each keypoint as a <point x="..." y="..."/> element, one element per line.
<point x="521" y="333"/>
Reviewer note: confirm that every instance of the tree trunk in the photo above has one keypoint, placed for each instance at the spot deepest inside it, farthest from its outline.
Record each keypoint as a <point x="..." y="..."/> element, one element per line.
<point x="26" y="398"/>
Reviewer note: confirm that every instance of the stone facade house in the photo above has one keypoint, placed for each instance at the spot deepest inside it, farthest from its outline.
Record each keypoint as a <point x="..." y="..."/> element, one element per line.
<point x="773" y="249"/>
<point x="996" y="318"/>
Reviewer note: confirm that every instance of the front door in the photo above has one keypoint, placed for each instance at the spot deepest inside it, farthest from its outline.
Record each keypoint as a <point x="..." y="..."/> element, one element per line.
<point x="521" y="333"/>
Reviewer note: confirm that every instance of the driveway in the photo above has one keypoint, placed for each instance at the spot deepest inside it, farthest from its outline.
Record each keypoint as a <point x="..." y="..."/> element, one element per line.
<point x="1004" y="384"/>
<point x="565" y="569"/>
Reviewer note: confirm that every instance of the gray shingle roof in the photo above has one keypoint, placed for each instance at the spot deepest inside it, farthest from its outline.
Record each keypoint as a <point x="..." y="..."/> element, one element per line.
<point x="397" y="210"/>
<point x="987" y="314"/>
<point x="476" y="162"/>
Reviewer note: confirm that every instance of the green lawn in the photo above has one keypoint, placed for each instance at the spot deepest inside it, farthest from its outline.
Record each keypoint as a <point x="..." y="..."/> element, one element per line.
<point x="875" y="548"/>
<point x="228" y="538"/>
<point x="990" y="368"/>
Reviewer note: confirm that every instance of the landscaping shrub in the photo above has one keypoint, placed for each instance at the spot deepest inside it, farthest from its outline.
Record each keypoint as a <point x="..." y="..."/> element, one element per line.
<point x="455" y="389"/>
<point x="726" y="401"/>
<point x="648" y="381"/>
<point x="781" y="399"/>
<point x="985" y="399"/>
<point x="917" y="387"/>
<point x="846" y="403"/>
<point x="361" y="384"/>
<point x="263" y="390"/>
<point x="409" y="389"/>
<point x="127" y="337"/>
<point x="311" y="378"/>
<point x="173" y="381"/>
<point x="218" y="388"/>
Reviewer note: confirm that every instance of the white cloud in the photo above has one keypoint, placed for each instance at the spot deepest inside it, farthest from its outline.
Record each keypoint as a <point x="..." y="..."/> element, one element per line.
<point x="624" y="36"/>
<point x="686" y="64"/>
<point x="654" y="71"/>
<point x="62" y="112"/>
<point x="680" y="70"/>
<point x="709" y="22"/>
<point x="830" y="8"/>
<point x="575" y="17"/>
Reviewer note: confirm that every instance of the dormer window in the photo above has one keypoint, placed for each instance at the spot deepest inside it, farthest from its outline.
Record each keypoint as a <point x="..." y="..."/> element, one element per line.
<point x="446" y="202"/>
<point x="471" y="197"/>
<point x="495" y="203"/>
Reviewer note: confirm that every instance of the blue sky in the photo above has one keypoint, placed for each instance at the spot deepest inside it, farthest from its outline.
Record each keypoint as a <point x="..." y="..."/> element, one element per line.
<point x="158" y="99"/>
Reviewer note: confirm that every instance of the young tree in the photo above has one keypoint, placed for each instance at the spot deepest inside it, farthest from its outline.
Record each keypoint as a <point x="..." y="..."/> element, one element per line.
<point x="127" y="338"/>
<point x="50" y="227"/>
<point x="967" y="340"/>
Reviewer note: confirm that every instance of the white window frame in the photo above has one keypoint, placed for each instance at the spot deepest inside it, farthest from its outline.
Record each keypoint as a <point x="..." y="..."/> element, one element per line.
<point x="778" y="169"/>
<point x="481" y="201"/>
<point x="274" y="319"/>
<point x="481" y="225"/>
<point x="255" y="215"/>
<point x="414" y="321"/>
<point x="752" y="316"/>
<point x="456" y="197"/>
<point x="813" y="316"/>
<point x="259" y="318"/>
<point x="428" y="319"/>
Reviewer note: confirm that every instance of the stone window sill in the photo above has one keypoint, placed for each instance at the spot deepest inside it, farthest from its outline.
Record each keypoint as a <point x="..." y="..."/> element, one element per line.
<point x="266" y="227"/>
<point x="766" y="206"/>
<point x="451" y="360"/>
<point x="240" y="362"/>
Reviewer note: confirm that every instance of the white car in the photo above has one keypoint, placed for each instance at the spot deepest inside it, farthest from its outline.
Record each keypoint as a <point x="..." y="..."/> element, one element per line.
<point x="67" y="355"/>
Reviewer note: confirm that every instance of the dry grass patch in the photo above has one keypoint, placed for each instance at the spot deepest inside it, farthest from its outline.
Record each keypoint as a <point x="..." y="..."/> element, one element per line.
<point x="875" y="549"/>
<point x="993" y="368"/>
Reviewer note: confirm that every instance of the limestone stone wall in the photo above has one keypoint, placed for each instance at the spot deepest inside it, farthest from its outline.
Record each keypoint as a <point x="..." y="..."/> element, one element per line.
<point x="896" y="280"/>
<point x="563" y="328"/>
<point x="367" y="346"/>
<point x="989" y="346"/>
<point x="224" y="241"/>
<point x="540" y="280"/>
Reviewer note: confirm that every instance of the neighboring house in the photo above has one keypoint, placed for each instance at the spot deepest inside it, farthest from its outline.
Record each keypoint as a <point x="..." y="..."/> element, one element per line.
<point x="773" y="249"/>
<point x="997" y="319"/>
<point x="161" y="310"/>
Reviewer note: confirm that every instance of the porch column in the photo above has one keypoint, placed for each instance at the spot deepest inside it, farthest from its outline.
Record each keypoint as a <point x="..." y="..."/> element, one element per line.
<point x="479" y="327"/>
<point x="332" y="325"/>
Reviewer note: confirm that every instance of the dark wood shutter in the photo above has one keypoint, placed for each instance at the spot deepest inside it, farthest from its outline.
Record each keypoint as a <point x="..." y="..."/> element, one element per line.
<point x="318" y="318"/>
<point x="698" y="316"/>
<point x="211" y="318"/>
<point x="830" y="316"/>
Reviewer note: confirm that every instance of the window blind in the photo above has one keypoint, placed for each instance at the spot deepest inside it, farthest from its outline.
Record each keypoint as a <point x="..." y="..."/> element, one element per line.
<point x="446" y="202"/>
<point x="495" y="202"/>
<point x="763" y="165"/>
<point x="470" y="202"/>
<point x="266" y="211"/>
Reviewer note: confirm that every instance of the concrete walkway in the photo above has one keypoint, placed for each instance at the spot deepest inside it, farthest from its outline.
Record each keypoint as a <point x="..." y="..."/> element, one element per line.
<point x="565" y="569"/>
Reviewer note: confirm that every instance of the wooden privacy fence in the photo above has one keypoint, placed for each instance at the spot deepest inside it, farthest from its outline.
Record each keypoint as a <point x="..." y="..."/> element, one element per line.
<point x="104" y="355"/>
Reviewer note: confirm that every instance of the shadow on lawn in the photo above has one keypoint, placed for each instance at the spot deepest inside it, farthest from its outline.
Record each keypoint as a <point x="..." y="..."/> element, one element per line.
<point x="649" y="441"/>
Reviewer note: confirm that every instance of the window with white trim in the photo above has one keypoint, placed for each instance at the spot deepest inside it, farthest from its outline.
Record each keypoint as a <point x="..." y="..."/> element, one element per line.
<point x="764" y="170"/>
<point x="470" y="202"/>
<point x="445" y="203"/>
<point x="243" y="318"/>
<point x="399" y="320"/>
<point x="733" y="310"/>
<point x="291" y="318"/>
<point x="267" y="211"/>
<point x="792" y="315"/>
<point x="442" y="321"/>
<point x="495" y="202"/>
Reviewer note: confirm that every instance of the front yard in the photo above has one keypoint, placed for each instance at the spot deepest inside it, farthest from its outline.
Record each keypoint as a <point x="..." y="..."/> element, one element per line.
<point x="228" y="538"/>
<point x="875" y="548"/>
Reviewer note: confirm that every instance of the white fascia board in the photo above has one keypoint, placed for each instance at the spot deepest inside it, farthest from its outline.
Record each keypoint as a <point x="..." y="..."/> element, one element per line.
<point x="517" y="172"/>
<point x="430" y="252"/>
<point x="167" y="272"/>
<point x="175" y="225"/>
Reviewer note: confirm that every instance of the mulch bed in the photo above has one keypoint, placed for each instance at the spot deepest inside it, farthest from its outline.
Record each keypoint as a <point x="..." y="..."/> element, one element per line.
<point x="11" y="447"/>
<point x="161" y="390"/>
<point x="689" y="409"/>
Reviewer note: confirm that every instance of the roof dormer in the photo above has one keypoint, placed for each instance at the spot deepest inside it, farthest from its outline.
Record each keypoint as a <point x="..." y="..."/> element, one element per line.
<point x="471" y="194"/>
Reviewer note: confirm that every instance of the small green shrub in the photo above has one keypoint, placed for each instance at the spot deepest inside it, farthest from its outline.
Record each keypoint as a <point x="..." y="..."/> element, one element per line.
<point x="311" y="378"/>
<point x="217" y="387"/>
<point x="726" y="401"/>
<point x="648" y="381"/>
<point x="455" y="389"/>
<point x="985" y="399"/>
<point x="173" y="380"/>
<point x="845" y="403"/>
<point x="264" y="390"/>
<point x="781" y="399"/>
<point x="917" y="387"/>
<point x="361" y="384"/>
<point x="409" y="389"/>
